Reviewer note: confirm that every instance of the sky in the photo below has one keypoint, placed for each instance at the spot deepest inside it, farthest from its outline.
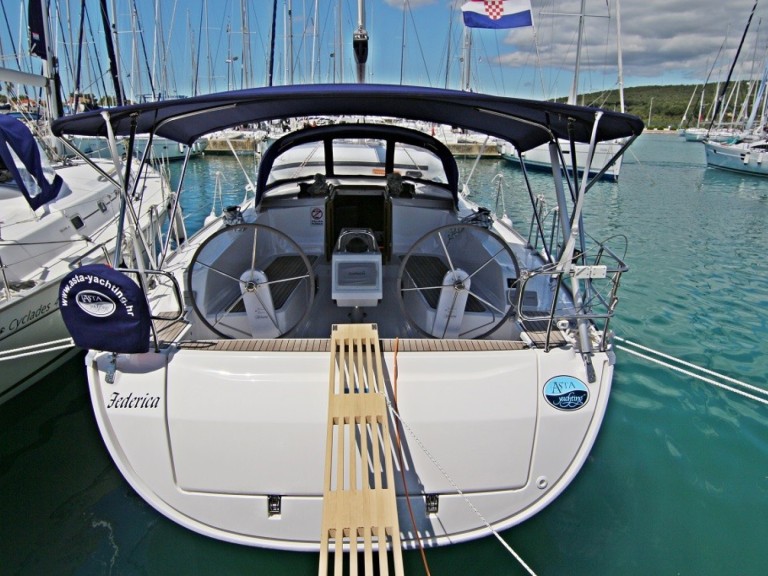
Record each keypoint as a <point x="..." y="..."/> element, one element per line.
<point x="411" y="42"/>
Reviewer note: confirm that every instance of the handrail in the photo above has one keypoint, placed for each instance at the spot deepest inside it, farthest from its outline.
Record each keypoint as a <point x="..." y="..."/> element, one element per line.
<point x="77" y="262"/>
<point x="142" y="274"/>
<point x="598" y="306"/>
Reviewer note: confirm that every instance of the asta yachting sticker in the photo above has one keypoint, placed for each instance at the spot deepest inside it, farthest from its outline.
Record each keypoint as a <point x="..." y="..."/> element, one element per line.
<point x="566" y="393"/>
<point x="95" y="303"/>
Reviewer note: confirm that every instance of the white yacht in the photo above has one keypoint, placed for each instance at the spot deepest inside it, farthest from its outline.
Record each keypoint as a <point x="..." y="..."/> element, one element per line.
<point x="360" y="358"/>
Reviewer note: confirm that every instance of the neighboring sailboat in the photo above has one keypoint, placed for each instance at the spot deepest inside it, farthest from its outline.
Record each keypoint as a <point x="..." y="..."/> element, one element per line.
<point x="748" y="153"/>
<point x="606" y="156"/>
<point x="57" y="214"/>
<point x="54" y="217"/>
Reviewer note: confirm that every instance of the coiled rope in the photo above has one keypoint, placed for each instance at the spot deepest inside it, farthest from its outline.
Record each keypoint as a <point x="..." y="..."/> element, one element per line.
<point x="703" y="374"/>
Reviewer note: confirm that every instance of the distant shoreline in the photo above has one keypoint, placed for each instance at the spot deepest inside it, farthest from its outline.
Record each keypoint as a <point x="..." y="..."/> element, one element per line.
<point x="672" y="131"/>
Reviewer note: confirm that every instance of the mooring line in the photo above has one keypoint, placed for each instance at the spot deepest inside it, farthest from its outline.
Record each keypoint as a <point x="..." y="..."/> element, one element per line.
<point x="668" y="361"/>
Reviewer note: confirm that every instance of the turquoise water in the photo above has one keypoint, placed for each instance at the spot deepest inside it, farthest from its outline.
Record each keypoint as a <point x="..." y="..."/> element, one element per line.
<point x="676" y="484"/>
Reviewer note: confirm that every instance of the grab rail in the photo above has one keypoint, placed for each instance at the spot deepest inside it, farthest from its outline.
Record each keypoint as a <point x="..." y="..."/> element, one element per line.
<point x="77" y="262"/>
<point x="7" y="289"/>
<point x="143" y="276"/>
<point x="597" y="306"/>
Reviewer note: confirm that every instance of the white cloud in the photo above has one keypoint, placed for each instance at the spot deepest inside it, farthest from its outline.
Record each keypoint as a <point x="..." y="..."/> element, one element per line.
<point x="660" y="38"/>
<point x="663" y="41"/>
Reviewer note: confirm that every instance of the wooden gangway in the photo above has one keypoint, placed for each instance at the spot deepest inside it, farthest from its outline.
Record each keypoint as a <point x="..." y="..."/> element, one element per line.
<point x="359" y="504"/>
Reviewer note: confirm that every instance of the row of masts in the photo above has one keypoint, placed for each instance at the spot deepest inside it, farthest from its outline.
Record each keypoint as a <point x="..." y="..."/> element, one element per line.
<point x="103" y="53"/>
<point x="729" y="108"/>
<point x="139" y="74"/>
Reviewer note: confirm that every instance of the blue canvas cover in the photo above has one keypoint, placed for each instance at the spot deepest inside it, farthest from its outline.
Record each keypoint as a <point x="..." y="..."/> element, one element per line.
<point x="21" y="156"/>
<point x="524" y="123"/>
<point x="104" y="309"/>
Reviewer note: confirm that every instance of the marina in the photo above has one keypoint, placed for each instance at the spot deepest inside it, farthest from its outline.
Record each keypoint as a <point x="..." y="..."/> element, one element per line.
<point x="675" y="483"/>
<point x="338" y="323"/>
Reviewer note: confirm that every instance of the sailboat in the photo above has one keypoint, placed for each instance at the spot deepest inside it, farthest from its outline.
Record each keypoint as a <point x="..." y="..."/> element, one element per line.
<point x="747" y="154"/>
<point x="345" y="360"/>
<point x="358" y="358"/>
<point x="605" y="161"/>
<point x="57" y="214"/>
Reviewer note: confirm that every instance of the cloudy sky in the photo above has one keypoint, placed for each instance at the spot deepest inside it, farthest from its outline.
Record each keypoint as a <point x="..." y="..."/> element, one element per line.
<point x="663" y="42"/>
<point x="411" y="41"/>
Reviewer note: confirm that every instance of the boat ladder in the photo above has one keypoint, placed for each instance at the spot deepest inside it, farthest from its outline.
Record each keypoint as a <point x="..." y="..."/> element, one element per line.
<point x="359" y="503"/>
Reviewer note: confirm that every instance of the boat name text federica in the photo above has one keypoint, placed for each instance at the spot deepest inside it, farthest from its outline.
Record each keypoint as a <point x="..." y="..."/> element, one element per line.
<point x="118" y="400"/>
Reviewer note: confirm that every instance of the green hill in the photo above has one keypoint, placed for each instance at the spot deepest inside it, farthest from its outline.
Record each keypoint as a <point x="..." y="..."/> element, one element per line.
<point x="664" y="106"/>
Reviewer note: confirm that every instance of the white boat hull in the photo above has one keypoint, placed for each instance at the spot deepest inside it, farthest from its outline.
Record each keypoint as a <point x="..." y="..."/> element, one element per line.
<point x="39" y="248"/>
<point x="359" y="278"/>
<point x="206" y="437"/>
<point x="27" y="322"/>
<point x="737" y="158"/>
<point x="539" y="158"/>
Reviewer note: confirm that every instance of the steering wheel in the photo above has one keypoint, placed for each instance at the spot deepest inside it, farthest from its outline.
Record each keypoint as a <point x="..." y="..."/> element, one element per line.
<point x="251" y="281"/>
<point x="459" y="271"/>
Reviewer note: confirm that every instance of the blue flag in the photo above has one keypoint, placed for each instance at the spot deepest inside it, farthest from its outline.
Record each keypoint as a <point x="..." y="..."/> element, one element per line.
<point x="21" y="156"/>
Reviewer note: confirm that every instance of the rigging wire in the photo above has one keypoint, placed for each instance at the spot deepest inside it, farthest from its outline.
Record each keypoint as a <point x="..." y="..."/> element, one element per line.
<point x="436" y="464"/>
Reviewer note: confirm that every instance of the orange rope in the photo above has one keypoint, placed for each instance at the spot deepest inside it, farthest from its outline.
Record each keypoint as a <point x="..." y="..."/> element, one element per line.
<point x="402" y="467"/>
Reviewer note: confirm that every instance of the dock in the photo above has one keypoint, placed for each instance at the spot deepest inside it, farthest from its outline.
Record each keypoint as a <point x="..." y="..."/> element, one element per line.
<point x="472" y="149"/>
<point x="242" y="146"/>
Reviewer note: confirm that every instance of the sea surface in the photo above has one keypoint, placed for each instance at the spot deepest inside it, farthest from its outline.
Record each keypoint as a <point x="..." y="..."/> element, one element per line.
<point x="677" y="483"/>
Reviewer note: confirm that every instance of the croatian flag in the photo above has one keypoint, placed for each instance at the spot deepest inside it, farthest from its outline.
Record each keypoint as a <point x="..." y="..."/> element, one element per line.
<point x="497" y="13"/>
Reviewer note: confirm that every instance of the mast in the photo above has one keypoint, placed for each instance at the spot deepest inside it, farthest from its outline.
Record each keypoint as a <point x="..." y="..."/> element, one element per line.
<point x="360" y="42"/>
<point x="288" y="40"/>
<point x="733" y="65"/>
<point x="465" y="59"/>
<point x="229" y="60"/>
<point x="81" y="31"/>
<point x="339" y="54"/>
<point x="448" y="51"/>
<point x="759" y="98"/>
<point x="39" y="32"/>
<point x="402" y="46"/>
<point x="136" y="87"/>
<point x="246" y="65"/>
<point x="620" y="59"/>
<point x="580" y="38"/>
<point x="271" y="67"/>
<point x="314" y="45"/>
<point x="195" y="53"/>
<point x="684" y="120"/>
<point x="109" y="31"/>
